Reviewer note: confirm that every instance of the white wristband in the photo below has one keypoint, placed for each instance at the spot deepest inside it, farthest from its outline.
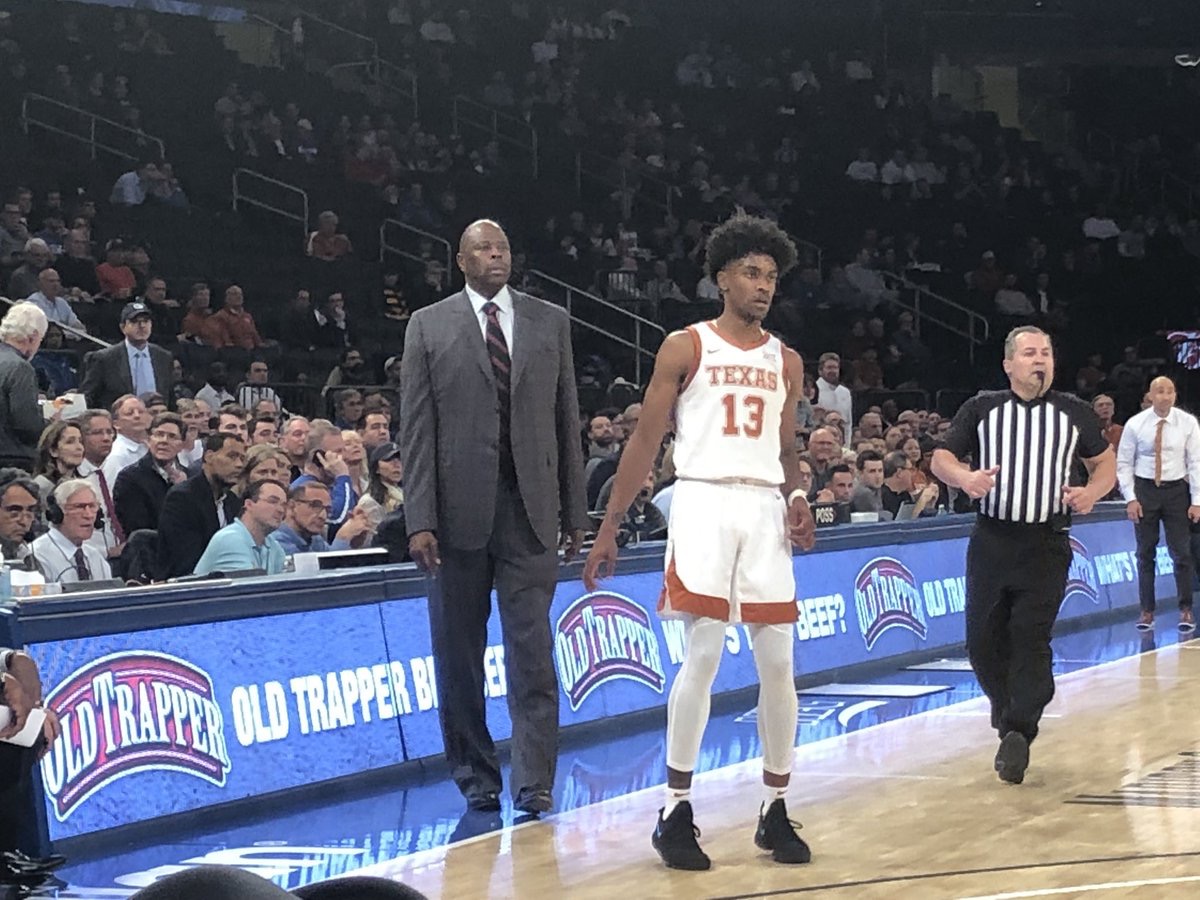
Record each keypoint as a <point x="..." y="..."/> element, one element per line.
<point x="798" y="492"/>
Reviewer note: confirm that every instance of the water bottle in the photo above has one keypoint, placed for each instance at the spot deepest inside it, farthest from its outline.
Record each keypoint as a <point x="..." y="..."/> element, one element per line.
<point x="6" y="592"/>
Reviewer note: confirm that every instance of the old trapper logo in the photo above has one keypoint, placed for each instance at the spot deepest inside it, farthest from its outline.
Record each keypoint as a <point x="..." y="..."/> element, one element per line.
<point x="886" y="596"/>
<point x="1081" y="577"/>
<point x="129" y="712"/>
<point x="603" y="636"/>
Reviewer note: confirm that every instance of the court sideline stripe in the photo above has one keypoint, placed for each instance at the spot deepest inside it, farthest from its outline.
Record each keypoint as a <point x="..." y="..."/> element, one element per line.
<point x="959" y="873"/>
<point x="1106" y="886"/>
<point x="421" y="857"/>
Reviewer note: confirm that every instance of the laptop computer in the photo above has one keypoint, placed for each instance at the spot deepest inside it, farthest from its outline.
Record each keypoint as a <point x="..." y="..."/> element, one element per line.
<point x="905" y="512"/>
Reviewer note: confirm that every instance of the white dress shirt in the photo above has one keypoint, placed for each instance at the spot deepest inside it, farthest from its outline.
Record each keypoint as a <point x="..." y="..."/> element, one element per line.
<point x="125" y="452"/>
<point x="503" y="299"/>
<point x="56" y="557"/>
<point x="102" y="539"/>
<point x="215" y="398"/>
<point x="835" y="398"/>
<point x="1180" y="451"/>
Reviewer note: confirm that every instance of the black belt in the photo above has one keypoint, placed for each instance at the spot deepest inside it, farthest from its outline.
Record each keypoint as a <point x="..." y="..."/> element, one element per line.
<point x="1149" y="482"/>
<point x="1058" y="523"/>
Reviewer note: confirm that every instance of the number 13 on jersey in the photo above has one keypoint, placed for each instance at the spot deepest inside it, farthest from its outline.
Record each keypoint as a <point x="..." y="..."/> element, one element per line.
<point x="751" y="416"/>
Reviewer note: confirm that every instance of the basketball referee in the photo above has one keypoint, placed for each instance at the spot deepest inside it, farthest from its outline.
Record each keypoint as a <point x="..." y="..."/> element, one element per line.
<point x="1024" y="440"/>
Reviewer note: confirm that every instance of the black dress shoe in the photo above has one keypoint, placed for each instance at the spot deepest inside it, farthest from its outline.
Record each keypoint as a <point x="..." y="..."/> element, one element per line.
<point x="484" y="801"/>
<point x="474" y="823"/>
<point x="534" y="802"/>
<point x="1012" y="759"/>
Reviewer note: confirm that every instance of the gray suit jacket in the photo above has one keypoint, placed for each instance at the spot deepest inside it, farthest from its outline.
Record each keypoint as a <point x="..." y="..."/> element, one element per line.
<point x="450" y="424"/>
<point x="106" y="374"/>
<point x="21" y="420"/>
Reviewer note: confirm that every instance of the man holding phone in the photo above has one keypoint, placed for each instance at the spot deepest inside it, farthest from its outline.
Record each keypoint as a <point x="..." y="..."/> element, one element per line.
<point x="326" y="466"/>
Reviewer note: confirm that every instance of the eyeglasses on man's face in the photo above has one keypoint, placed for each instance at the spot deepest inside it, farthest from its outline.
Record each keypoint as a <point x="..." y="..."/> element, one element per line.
<point x="17" y="511"/>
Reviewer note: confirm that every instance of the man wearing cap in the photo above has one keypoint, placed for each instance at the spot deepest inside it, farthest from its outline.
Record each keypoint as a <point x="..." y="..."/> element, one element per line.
<point x="134" y="366"/>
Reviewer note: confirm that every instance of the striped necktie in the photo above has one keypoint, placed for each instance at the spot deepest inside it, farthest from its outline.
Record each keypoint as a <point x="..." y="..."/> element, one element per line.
<point x="497" y="348"/>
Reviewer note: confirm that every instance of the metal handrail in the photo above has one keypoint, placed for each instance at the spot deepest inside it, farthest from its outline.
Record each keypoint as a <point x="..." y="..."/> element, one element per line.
<point x="496" y="117"/>
<point x="269" y="23"/>
<point x="239" y="196"/>
<point x="385" y="247"/>
<point x="90" y="140"/>
<point x="640" y="324"/>
<point x="668" y="190"/>
<point x="382" y="66"/>
<point x="978" y="330"/>
<point x="83" y="335"/>
<point x="305" y="14"/>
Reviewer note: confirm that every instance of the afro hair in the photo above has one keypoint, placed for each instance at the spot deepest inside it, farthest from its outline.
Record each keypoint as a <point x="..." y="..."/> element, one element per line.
<point x="742" y="234"/>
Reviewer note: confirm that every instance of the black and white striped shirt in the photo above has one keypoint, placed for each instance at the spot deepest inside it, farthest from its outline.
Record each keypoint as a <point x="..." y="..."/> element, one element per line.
<point x="1034" y="443"/>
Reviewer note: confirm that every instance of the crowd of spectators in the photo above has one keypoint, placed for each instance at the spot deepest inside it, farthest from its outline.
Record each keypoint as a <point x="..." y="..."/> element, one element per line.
<point x="933" y="196"/>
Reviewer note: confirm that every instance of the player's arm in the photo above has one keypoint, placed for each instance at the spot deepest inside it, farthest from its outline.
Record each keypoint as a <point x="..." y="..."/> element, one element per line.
<point x="793" y="370"/>
<point x="801" y="527"/>
<point x="674" y="363"/>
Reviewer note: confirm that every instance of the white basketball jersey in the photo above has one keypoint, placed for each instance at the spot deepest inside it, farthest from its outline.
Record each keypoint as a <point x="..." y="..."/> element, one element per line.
<point x="728" y="414"/>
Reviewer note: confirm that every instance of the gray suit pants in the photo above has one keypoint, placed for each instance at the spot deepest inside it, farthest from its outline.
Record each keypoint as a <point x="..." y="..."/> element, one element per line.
<point x="524" y="574"/>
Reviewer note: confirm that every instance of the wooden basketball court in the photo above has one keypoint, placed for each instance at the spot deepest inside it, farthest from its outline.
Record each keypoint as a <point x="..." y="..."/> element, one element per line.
<point x="912" y="808"/>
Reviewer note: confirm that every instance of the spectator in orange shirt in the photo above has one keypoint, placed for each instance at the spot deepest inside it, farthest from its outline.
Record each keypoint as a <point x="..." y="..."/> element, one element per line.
<point x="234" y="325"/>
<point x="325" y="243"/>
<point x="116" y="278"/>
<point x="200" y="324"/>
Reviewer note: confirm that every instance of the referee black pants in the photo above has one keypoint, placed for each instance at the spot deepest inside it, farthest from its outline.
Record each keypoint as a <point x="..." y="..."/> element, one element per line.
<point x="1016" y="575"/>
<point x="1166" y="503"/>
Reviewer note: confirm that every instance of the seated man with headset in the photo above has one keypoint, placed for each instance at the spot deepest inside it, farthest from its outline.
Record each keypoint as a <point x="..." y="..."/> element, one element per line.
<point x="62" y="553"/>
<point x="19" y="508"/>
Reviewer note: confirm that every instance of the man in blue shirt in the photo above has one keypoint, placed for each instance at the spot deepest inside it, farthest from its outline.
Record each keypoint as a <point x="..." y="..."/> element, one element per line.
<point x="48" y="298"/>
<point x="303" y="528"/>
<point x="324" y="465"/>
<point x="248" y="543"/>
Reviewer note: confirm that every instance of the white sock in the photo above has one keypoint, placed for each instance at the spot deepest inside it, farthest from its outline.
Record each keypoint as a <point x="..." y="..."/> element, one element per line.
<point x="771" y="794"/>
<point x="674" y="797"/>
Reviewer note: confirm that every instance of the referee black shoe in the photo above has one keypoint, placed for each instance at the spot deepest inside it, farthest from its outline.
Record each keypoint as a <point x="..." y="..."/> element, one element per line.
<point x="1012" y="759"/>
<point x="675" y="840"/>
<point x="777" y="833"/>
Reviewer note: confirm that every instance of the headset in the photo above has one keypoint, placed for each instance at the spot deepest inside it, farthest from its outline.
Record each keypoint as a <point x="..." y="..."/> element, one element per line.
<point x="55" y="514"/>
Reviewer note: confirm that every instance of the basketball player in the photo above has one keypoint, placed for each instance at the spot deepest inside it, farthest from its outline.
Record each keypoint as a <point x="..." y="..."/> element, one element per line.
<point x="733" y="390"/>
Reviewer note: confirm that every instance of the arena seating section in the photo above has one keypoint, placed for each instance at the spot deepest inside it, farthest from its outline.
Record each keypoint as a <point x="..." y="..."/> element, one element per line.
<point x="741" y="137"/>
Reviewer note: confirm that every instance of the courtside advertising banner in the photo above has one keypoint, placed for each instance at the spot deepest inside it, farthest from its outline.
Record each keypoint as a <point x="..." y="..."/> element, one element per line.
<point x="176" y="719"/>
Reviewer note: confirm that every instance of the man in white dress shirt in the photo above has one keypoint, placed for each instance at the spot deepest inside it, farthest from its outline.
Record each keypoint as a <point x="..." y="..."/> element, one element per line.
<point x="131" y="421"/>
<point x="63" y="553"/>
<point x="98" y="437"/>
<point x="832" y="395"/>
<point x="1158" y="471"/>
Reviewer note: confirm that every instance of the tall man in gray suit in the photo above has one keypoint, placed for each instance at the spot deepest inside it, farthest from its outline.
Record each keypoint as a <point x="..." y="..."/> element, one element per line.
<point x="493" y="474"/>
